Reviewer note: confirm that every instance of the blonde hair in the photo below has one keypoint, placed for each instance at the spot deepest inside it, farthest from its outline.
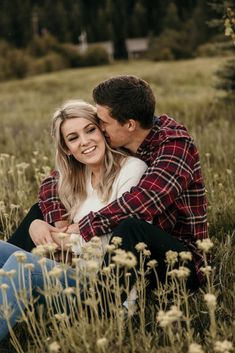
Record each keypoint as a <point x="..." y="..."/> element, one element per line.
<point x="72" y="173"/>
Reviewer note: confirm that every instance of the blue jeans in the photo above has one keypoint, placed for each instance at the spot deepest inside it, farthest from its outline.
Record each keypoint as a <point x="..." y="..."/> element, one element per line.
<point x="33" y="279"/>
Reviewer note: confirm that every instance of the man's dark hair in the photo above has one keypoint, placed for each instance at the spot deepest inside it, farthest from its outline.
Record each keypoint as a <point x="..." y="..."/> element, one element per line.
<point x="127" y="97"/>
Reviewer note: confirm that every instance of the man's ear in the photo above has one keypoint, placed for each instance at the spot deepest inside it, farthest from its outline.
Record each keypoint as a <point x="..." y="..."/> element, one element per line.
<point x="131" y="124"/>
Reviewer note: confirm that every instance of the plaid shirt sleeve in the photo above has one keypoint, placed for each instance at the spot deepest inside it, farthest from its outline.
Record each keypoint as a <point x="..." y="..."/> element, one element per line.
<point x="52" y="208"/>
<point x="169" y="174"/>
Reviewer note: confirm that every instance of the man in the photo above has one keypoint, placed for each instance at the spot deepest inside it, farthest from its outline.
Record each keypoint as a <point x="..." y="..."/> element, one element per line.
<point x="167" y="209"/>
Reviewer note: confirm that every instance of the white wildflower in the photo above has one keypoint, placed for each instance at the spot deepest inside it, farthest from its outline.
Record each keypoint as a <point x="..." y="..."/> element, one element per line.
<point x="206" y="270"/>
<point x="61" y="316"/>
<point x="183" y="272"/>
<point x="20" y="256"/>
<point x="54" y="347"/>
<point x="29" y="266"/>
<point x="51" y="247"/>
<point x="195" y="348"/>
<point x="106" y="270"/>
<point x="140" y="246"/>
<point x="4" y="286"/>
<point x="210" y="300"/>
<point x="205" y="244"/>
<point x="39" y="250"/>
<point x="146" y="253"/>
<point x="2" y="272"/>
<point x="152" y="263"/>
<point x="69" y="290"/>
<point x="123" y="258"/>
<point x="185" y="255"/>
<point x="171" y="257"/>
<point x="110" y="248"/>
<point x="102" y="342"/>
<point x="116" y="241"/>
<point x="11" y="273"/>
<point x="22" y="166"/>
<point x="42" y="261"/>
<point x="92" y="266"/>
<point x="223" y="347"/>
<point x="55" y="272"/>
<point x="166" y="318"/>
<point x="130" y="260"/>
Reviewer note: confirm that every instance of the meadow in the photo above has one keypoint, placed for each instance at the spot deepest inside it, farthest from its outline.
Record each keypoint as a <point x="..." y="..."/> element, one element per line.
<point x="185" y="90"/>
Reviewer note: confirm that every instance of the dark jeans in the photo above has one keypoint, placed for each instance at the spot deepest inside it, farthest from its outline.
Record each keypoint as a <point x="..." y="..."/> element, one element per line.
<point x="132" y="231"/>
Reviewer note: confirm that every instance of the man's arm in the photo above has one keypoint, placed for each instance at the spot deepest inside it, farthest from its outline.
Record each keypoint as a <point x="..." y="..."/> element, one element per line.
<point x="52" y="209"/>
<point x="166" y="178"/>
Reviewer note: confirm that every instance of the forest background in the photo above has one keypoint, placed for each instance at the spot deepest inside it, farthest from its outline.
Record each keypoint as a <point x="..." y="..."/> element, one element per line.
<point x="190" y="66"/>
<point x="39" y="36"/>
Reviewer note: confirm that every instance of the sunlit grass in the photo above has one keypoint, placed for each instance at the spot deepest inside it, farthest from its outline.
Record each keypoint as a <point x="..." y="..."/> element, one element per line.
<point x="184" y="90"/>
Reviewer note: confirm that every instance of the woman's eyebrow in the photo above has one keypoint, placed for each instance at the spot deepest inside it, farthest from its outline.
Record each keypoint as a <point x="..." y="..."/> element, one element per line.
<point x="85" y="127"/>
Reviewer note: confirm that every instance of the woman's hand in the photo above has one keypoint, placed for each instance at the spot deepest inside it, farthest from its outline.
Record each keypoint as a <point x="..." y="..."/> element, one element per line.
<point x="40" y="232"/>
<point x="61" y="239"/>
<point x="73" y="228"/>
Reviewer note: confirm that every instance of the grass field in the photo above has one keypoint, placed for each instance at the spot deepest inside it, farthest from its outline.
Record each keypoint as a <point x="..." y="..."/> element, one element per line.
<point x="186" y="91"/>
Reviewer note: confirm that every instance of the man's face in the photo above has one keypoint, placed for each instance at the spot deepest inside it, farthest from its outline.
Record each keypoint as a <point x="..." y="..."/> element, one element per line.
<point x="117" y="135"/>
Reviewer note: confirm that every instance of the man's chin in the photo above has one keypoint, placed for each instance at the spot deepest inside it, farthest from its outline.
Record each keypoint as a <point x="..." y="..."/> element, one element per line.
<point x="111" y="143"/>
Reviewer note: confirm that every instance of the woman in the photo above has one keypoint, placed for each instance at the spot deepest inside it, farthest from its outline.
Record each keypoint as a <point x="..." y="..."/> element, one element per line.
<point x="90" y="174"/>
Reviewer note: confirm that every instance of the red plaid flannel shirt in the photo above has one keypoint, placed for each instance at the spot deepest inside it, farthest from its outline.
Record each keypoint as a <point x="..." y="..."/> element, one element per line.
<point x="171" y="193"/>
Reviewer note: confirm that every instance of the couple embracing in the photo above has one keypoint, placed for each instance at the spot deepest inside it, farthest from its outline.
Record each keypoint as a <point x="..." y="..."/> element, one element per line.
<point x="120" y="171"/>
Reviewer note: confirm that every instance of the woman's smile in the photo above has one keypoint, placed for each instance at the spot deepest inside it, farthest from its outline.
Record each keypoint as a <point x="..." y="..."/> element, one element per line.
<point x="84" y="141"/>
<point x="89" y="150"/>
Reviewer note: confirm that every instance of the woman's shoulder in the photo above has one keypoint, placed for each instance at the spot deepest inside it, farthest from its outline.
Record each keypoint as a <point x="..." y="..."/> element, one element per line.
<point x="133" y="162"/>
<point x="132" y="166"/>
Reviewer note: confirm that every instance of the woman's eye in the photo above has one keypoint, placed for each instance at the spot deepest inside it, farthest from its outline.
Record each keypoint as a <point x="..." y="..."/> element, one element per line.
<point x="91" y="130"/>
<point x="72" y="138"/>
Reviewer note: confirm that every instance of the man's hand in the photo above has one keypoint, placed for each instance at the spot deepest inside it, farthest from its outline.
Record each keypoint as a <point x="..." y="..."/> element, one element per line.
<point x="40" y="232"/>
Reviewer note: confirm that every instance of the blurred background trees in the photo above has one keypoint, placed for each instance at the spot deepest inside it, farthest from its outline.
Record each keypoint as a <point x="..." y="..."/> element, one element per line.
<point x="43" y="35"/>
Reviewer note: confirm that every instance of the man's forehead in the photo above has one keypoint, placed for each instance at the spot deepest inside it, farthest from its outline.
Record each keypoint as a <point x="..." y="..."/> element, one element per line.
<point x="103" y="114"/>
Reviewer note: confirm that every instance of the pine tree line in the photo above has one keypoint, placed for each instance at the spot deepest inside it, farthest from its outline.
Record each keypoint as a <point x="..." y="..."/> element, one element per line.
<point x="21" y="20"/>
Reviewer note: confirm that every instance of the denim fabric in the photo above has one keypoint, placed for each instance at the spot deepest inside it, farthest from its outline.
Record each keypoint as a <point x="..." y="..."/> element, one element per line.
<point x="8" y="262"/>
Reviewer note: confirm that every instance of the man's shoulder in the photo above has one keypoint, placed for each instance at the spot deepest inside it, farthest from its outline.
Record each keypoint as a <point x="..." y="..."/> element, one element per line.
<point x="166" y="128"/>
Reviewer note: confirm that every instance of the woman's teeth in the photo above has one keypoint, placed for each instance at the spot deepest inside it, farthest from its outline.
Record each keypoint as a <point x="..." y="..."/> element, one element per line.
<point x="89" y="150"/>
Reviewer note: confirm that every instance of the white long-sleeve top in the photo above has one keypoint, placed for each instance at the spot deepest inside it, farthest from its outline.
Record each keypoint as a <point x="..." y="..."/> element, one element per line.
<point x="131" y="172"/>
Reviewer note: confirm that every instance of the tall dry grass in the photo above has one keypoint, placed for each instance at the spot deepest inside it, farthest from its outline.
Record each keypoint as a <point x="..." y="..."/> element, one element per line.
<point x="184" y="90"/>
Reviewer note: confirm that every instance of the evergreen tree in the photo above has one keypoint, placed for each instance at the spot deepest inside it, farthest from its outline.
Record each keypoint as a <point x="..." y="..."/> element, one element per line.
<point x="137" y="25"/>
<point x="223" y="10"/>
<point x="55" y="20"/>
<point x="171" y="20"/>
<point x="15" y="22"/>
<point x="118" y="24"/>
<point x="156" y="11"/>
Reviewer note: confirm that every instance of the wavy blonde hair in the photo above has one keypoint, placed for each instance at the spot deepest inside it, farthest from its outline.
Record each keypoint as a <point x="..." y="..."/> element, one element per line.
<point x="72" y="173"/>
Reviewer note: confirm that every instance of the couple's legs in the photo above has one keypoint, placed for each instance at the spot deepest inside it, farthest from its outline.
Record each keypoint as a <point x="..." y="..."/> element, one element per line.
<point x="21" y="237"/>
<point x="133" y="231"/>
<point x="33" y="279"/>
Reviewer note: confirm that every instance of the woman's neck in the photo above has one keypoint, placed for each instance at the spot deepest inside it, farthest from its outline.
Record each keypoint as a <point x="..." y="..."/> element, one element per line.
<point x="95" y="176"/>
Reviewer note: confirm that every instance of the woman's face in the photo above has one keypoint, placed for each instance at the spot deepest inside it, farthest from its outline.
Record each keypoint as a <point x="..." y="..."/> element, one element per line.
<point x="84" y="141"/>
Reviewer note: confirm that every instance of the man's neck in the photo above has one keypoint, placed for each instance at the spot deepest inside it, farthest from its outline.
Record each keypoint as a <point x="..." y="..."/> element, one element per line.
<point x="138" y="137"/>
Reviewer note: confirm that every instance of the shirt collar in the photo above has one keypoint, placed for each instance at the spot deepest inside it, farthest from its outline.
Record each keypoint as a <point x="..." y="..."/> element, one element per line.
<point x="151" y="135"/>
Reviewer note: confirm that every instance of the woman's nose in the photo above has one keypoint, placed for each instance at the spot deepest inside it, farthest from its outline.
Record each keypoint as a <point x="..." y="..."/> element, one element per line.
<point x="84" y="140"/>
